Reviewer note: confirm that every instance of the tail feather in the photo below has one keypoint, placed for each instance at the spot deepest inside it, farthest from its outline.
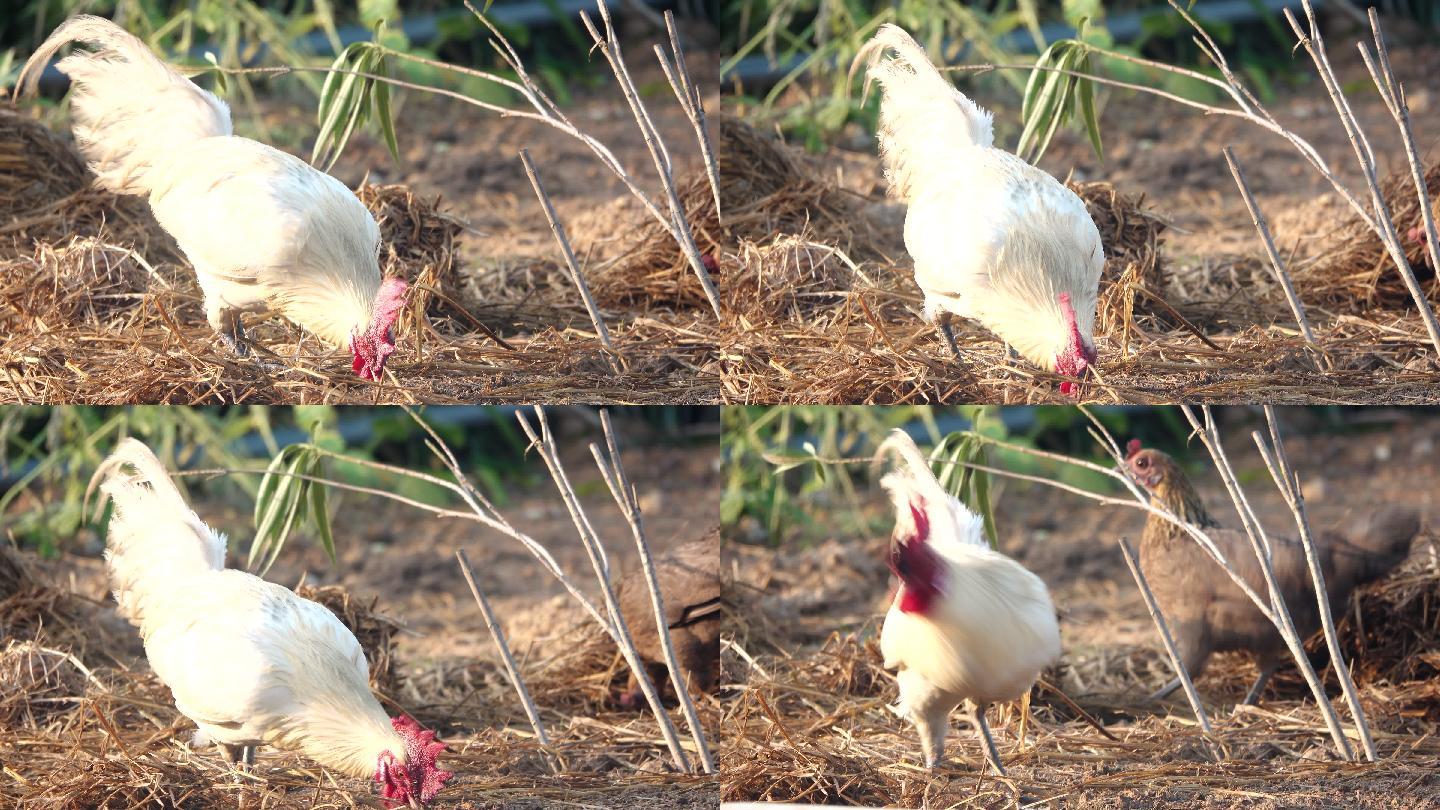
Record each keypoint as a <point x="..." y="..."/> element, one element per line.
<point x="1374" y="546"/>
<point x="131" y="110"/>
<point x="155" y="539"/>
<point x="921" y="113"/>
<point x="949" y="518"/>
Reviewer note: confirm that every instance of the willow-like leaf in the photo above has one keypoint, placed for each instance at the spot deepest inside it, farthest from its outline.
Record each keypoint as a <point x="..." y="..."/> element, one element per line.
<point x="385" y="116"/>
<point x="319" y="511"/>
<point x="1087" y="113"/>
<point x="982" y="499"/>
<point x="269" y="501"/>
<point x="294" y="512"/>
<point x="1041" y="115"/>
<point x="337" y="105"/>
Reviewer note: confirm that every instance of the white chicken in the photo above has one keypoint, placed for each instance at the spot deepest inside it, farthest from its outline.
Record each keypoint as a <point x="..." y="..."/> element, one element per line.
<point x="248" y="661"/>
<point x="263" y="229"/>
<point x="967" y="622"/>
<point x="993" y="238"/>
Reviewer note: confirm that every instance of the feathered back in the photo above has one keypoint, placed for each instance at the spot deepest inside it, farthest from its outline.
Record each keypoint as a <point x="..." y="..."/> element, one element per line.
<point x="131" y="110"/>
<point x="155" y="539"/>
<point x="950" y="521"/>
<point x="921" y="112"/>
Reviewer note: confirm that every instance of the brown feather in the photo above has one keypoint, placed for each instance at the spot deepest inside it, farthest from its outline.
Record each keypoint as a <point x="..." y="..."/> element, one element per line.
<point x="1207" y="612"/>
<point x="689" y="577"/>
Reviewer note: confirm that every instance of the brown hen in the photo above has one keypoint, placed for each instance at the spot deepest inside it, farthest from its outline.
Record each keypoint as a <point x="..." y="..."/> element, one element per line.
<point x="689" y="577"/>
<point x="1207" y="612"/>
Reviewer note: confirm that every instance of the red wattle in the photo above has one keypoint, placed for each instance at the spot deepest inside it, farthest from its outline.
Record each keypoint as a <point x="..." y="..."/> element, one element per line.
<point x="914" y="601"/>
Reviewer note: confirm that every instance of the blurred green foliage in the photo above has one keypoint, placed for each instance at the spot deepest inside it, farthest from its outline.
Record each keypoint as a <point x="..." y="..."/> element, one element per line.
<point x="782" y="482"/>
<point x="255" y="33"/>
<point x="818" y="39"/>
<point x="47" y="456"/>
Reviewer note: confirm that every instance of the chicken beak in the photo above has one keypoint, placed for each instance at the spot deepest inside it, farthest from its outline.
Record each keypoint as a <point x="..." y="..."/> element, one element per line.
<point x="415" y="803"/>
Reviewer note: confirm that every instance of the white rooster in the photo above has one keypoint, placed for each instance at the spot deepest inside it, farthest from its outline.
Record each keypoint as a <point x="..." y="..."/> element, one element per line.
<point x="263" y="229"/>
<point x="249" y="661"/>
<point x="993" y="238"/>
<point x="967" y="622"/>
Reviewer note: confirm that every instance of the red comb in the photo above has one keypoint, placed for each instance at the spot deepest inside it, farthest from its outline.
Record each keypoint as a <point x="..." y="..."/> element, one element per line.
<point x="422" y="750"/>
<point x="388" y="303"/>
<point x="1132" y="448"/>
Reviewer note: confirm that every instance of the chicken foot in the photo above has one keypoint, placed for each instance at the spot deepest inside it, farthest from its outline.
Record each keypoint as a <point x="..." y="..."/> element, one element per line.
<point x="942" y="320"/>
<point x="1252" y="696"/>
<point x="991" y="752"/>
<point x="231" y="329"/>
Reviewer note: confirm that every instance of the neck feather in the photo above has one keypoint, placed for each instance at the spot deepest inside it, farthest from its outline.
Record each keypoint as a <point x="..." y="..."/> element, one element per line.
<point x="1176" y="493"/>
<point x="344" y="732"/>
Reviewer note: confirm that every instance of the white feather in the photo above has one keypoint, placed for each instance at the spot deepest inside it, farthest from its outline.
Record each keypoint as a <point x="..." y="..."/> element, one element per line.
<point x="263" y="229"/>
<point x="991" y="632"/>
<point x="993" y="238"/>
<point x="248" y="661"/>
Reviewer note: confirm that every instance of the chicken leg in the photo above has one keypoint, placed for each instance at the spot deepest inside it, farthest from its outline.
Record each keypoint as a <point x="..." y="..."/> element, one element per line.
<point x="1267" y="668"/>
<point x="1164" y="691"/>
<point x="991" y="753"/>
<point x="227" y="324"/>
<point x="943" y="321"/>
<point x="238" y="755"/>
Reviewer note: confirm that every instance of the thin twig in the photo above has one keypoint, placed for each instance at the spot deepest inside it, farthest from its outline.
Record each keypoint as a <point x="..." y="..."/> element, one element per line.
<point x="577" y="277"/>
<point x="1258" y="219"/>
<point x="690" y="100"/>
<point x="1289" y="486"/>
<point x="544" y="443"/>
<point x="493" y="625"/>
<point x="613" y="471"/>
<point x="1381" y="221"/>
<point x="1394" y="95"/>
<point x="1191" y="694"/>
<point x="609" y="46"/>
<point x="1209" y="435"/>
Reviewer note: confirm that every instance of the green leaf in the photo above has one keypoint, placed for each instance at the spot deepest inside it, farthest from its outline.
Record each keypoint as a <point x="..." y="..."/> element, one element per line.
<point x="983" y="505"/>
<point x="295" y="512"/>
<point x="1040" y="116"/>
<point x="269" y="501"/>
<point x="1087" y="114"/>
<point x="335" y="103"/>
<point x="319" y="512"/>
<point x="386" y="117"/>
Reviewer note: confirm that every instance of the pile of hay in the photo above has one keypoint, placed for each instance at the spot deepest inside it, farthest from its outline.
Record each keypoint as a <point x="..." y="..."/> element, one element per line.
<point x="1391" y="632"/>
<point x="823" y="309"/>
<point x="791" y="735"/>
<point x="93" y="729"/>
<point x="1353" y="271"/>
<point x="638" y="262"/>
<point x="33" y="609"/>
<point x="99" y="306"/>
<point x="813" y="725"/>
<point x="375" y="632"/>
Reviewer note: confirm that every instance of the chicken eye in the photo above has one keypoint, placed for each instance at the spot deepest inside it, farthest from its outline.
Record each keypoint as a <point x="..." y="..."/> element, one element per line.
<point x="1142" y="463"/>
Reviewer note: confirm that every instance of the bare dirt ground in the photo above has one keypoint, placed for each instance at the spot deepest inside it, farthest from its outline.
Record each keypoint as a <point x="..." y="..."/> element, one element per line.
<point x="486" y="247"/>
<point x="807" y="720"/>
<point x="398" y="567"/>
<point x="851" y="333"/>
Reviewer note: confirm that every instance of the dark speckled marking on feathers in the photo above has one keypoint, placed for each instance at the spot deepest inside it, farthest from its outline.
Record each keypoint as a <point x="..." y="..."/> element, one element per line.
<point x="1207" y="612"/>
<point x="689" y="577"/>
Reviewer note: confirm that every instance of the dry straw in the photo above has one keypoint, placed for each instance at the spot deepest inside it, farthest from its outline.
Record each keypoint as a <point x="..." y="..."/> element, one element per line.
<point x="86" y="325"/>
<point x="823" y="308"/>
<point x="84" y="723"/>
<point x="99" y="306"/>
